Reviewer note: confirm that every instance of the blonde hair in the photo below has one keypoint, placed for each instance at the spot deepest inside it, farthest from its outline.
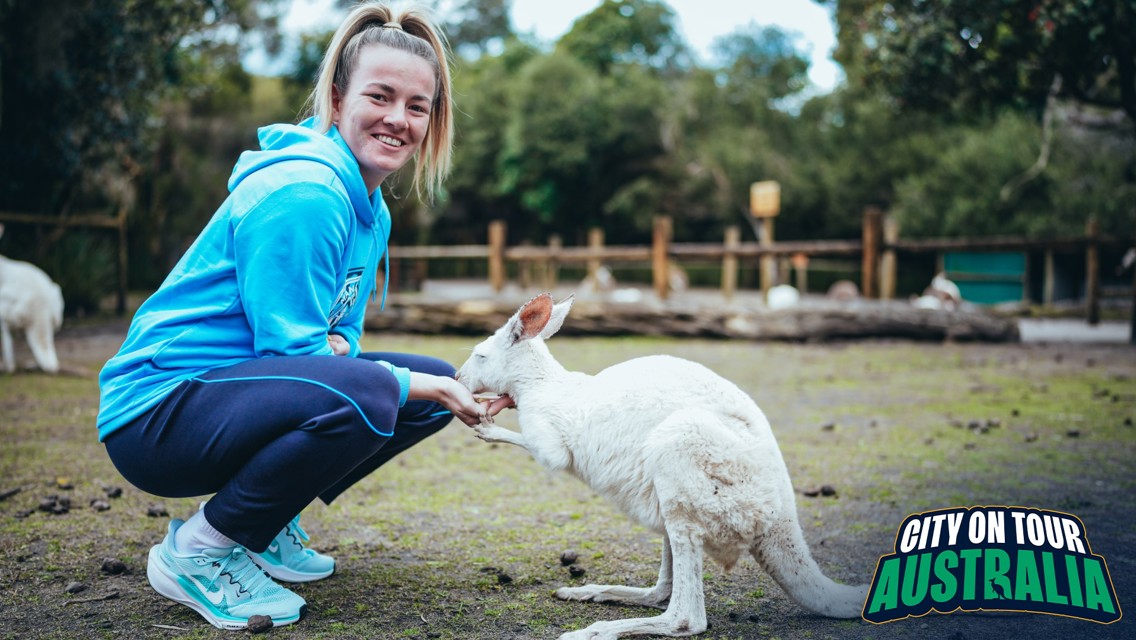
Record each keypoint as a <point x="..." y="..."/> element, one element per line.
<point x="411" y="31"/>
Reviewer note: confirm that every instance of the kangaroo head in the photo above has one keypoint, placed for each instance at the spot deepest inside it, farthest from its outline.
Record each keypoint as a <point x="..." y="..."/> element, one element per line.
<point x="505" y="356"/>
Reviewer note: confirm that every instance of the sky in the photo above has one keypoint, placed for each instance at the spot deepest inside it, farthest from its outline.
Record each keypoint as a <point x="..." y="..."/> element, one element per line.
<point x="699" y="22"/>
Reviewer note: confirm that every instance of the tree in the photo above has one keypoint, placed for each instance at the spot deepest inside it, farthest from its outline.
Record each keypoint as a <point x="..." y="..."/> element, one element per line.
<point x="627" y="31"/>
<point x="766" y="57"/>
<point x="82" y="88"/>
<point x="978" y="56"/>
<point x="81" y="78"/>
<point x="475" y="25"/>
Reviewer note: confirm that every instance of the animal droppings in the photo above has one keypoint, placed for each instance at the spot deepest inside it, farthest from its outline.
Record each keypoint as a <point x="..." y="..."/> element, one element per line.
<point x="259" y="624"/>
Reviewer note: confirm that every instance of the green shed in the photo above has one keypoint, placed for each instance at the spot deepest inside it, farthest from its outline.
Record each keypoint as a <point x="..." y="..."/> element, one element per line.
<point x="988" y="278"/>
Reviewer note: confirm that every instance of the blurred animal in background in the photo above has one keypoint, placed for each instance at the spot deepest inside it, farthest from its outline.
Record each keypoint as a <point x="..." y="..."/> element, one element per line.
<point x="677" y="279"/>
<point x="1126" y="262"/>
<point x="600" y="281"/>
<point x="941" y="294"/>
<point x="782" y="296"/>
<point x="32" y="303"/>
<point x="843" y="291"/>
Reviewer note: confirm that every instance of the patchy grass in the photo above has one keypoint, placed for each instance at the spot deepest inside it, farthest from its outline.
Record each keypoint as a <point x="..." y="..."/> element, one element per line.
<point x="895" y="427"/>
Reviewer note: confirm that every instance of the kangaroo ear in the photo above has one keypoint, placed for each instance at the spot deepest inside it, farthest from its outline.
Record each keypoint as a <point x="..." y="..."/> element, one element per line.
<point x="530" y="320"/>
<point x="559" y="313"/>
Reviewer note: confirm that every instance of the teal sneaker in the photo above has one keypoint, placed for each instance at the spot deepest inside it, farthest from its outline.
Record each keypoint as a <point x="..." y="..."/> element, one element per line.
<point x="223" y="585"/>
<point x="287" y="559"/>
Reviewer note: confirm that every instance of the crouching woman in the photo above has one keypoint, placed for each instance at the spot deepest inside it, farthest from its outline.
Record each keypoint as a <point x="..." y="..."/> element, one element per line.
<point x="242" y="377"/>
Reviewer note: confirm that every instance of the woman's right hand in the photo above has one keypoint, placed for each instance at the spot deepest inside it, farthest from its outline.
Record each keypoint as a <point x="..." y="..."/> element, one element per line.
<point x="449" y="393"/>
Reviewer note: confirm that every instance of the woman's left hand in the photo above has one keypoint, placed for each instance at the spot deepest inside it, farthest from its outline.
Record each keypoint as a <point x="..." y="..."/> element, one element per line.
<point x="449" y="393"/>
<point x="338" y="344"/>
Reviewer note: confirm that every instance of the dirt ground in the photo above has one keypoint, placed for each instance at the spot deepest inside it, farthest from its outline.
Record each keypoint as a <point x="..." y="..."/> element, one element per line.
<point x="460" y="539"/>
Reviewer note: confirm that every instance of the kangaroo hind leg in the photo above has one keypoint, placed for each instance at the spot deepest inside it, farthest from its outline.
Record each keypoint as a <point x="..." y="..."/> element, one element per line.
<point x="685" y="615"/>
<point x="656" y="596"/>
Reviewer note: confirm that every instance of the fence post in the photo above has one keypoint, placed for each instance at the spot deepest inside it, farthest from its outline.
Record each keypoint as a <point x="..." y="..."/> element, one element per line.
<point x="595" y="243"/>
<point x="767" y="262"/>
<point x="730" y="262"/>
<point x="660" y="247"/>
<point x="800" y="262"/>
<point x="552" y="266"/>
<point x="497" y="255"/>
<point x="888" y="263"/>
<point x="1092" y="273"/>
<point x="1132" y="314"/>
<point x="871" y="251"/>
<point x="1048" y="286"/>
<point x="120" y="294"/>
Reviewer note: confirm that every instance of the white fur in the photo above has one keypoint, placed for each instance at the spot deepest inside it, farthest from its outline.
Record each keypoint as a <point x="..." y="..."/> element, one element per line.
<point x="940" y="294"/>
<point x="31" y="302"/>
<point x="677" y="448"/>
<point x="783" y="296"/>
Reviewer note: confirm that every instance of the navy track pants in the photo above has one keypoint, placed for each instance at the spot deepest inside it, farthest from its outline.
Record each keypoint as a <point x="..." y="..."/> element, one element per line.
<point x="270" y="435"/>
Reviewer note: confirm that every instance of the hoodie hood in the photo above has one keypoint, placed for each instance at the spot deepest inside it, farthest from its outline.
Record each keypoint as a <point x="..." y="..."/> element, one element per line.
<point x="280" y="142"/>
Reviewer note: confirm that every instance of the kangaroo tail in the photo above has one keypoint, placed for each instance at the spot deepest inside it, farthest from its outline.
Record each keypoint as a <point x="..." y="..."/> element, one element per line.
<point x="784" y="553"/>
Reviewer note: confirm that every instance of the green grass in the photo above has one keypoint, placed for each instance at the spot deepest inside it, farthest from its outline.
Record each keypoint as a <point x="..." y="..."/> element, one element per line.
<point x="421" y="541"/>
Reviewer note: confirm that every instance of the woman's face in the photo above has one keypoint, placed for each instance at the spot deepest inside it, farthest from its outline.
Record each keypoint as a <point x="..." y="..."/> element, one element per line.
<point x="384" y="114"/>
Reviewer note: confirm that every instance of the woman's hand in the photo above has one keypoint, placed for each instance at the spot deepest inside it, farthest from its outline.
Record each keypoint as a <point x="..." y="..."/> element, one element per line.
<point x="338" y="344"/>
<point x="449" y="393"/>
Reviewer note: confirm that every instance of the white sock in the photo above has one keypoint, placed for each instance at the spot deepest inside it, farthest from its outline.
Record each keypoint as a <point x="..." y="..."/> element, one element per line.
<point x="197" y="534"/>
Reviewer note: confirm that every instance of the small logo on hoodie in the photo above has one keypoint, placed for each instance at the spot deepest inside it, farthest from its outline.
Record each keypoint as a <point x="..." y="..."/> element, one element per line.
<point x="347" y="297"/>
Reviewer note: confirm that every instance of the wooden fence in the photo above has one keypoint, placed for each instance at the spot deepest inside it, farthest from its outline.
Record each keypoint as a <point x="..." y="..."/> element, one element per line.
<point x="878" y="250"/>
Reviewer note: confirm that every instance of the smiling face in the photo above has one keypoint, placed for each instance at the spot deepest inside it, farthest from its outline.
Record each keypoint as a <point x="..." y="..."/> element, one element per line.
<point x="384" y="113"/>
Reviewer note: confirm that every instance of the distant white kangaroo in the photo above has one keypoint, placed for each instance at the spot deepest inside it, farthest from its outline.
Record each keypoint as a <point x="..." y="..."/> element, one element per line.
<point x="29" y="300"/>
<point x="677" y="448"/>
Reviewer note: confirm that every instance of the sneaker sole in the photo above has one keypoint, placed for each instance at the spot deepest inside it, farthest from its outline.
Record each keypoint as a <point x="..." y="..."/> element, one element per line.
<point x="168" y="587"/>
<point x="284" y="574"/>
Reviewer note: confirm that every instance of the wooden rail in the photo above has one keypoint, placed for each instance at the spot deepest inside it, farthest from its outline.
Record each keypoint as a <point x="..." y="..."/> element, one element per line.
<point x="878" y="252"/>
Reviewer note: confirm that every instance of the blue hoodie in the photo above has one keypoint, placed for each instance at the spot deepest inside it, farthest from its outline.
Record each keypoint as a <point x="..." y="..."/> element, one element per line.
<point x="288" y="258"/>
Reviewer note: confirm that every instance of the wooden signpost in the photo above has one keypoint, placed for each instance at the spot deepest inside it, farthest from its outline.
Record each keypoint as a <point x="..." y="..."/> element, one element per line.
<point x="764" y="205"/>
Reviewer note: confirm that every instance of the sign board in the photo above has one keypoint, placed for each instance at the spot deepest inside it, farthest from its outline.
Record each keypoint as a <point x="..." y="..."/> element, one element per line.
<point x="765" y="199"/>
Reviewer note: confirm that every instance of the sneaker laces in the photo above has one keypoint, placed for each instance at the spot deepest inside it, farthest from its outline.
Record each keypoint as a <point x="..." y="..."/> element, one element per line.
<point x="242" y="572"/>
<point x="297" y="533"/>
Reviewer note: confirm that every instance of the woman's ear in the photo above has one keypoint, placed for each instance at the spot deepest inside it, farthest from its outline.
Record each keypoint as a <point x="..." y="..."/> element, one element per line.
<point x="335" y="98"/>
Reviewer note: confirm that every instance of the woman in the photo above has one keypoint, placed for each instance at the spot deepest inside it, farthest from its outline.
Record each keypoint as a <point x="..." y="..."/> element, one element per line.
<point x="242" y="375"/>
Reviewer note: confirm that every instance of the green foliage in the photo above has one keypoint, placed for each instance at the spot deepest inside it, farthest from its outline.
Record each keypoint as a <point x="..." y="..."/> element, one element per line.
<point x="84" y="268"/>
<point x="626" y="32"/>
<point x="474" y="25"/>
<point x="983" y="55"/>
<point x="959" y="193"/>
<point x="81" y="79"/>
<point x="765" y="59"/>
<point x="611" y="126"/>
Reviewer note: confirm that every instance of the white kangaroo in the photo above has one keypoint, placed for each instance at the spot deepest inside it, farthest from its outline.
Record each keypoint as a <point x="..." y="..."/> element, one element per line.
<point x="29" y="300"/>
<point x="677" y="448"/>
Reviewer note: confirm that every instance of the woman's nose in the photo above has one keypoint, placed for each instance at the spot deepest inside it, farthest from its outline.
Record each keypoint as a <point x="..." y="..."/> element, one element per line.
<point x="395" y="117"/>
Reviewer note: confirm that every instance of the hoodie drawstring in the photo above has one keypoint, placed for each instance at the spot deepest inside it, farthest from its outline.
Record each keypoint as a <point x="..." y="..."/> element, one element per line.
<point x="386" y="266"/>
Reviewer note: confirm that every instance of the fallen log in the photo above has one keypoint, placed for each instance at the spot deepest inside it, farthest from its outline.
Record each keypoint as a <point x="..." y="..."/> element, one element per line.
<point x="822" y="321"/>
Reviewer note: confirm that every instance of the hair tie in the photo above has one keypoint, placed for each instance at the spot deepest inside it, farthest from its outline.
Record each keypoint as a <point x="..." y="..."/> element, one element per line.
<point x="393" y="25"/>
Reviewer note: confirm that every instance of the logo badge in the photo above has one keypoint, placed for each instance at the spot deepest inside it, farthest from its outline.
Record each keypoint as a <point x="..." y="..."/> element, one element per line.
<point x="992" y="559"/>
